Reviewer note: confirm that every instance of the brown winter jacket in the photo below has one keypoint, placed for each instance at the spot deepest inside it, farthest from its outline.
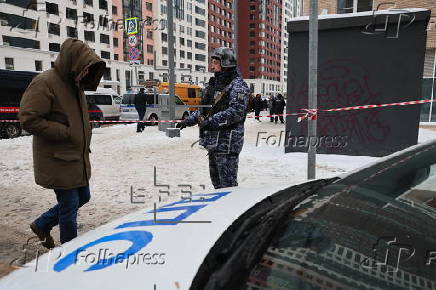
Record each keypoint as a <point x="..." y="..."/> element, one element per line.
<point x="54" y="109"/>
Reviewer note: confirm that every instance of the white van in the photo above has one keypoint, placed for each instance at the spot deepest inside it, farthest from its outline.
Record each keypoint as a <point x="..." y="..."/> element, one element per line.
<point x="108" y="102"/>
<point x="154" y="109"/>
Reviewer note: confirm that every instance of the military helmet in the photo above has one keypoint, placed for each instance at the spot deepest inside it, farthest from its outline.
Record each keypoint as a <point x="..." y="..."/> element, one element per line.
<point x="226" y="55"/>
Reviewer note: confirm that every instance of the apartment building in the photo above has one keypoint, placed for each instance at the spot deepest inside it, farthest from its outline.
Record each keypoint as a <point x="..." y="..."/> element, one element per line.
<point x="222" y="24"/>
<point x="190" y="41"/>
<point x="260" y="44"/>
<point x="291" y="9"/>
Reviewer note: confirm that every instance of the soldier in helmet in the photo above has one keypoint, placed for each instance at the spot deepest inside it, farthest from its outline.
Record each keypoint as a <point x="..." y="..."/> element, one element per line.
<point x="222" y="125"/>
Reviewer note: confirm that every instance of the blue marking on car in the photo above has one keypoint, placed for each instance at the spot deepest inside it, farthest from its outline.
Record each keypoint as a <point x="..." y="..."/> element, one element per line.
<point x="140" y="239"/>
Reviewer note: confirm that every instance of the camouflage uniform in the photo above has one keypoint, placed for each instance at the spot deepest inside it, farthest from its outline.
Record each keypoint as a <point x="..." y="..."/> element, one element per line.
<point x="223" y="136"/>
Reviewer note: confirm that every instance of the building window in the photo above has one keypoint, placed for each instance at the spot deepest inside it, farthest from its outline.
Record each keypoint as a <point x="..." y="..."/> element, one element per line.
<point x="150" y="62"/>
<point x="71" y="32"/>
<point x="200" y="22"/>
<point x="9" y="63"/>
<point x="149" y="6"/>
<point x="199" y="45"/>
<point x="20" y="42"/>
<point x="71" y="13"/>
<point x="115" y="41"/>
<point x="182" y="54"/>
<point x="88" y="17"/>
<point x="104" y="38"/>
<point x="149" y="48"/>
<point x="38" y="65"/>
<point x="88" y="2"/>
<point x="189" y="55"/>
<point x="103" y="21"/>
<point x="107" y="74"/>
<point x="164" y="62"/>
<point x="116" y="57"/>
<point x="89" y="36"/>
<point x="346" y="6"/>
<point x="103" y="4"/>
<point x="16" y="21"/>
<point x="54" y="47"/>
<point x="164" y="50"/>
<point x="52" y="8"/>
<point x="182" y="41"/>
<point x="164" y="37"/>
<point x="114" y="10"/>
<point x="149" y="34"/>
<point x="200" y="34"/>
<point x="200" y="68"/>
<point x="189" y="43"/>
<point x="199" y="10"/>
<point x="200" y="57"/>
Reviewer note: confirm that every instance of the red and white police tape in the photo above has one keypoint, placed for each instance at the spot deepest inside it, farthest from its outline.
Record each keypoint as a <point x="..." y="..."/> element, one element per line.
<point x="311" y="114"/>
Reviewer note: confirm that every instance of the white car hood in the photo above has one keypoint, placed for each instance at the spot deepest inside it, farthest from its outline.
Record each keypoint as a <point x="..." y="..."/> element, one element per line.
<point x="178" y="248"/>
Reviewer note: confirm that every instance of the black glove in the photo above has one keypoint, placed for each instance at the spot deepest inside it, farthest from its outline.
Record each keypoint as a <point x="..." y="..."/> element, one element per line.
<point x="202" y="122"/>
<point x="182" y="125"/>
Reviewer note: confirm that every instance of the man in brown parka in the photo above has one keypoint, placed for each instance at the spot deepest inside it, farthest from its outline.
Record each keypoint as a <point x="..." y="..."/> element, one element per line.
<point x="55" y="111"/>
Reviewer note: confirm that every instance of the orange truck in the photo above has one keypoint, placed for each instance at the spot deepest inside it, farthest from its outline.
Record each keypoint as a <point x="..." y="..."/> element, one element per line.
<point x="188" y="93"/>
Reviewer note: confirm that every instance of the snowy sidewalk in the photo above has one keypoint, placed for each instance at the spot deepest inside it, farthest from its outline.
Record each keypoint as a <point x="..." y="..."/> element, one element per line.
<point x="122" y="159"/>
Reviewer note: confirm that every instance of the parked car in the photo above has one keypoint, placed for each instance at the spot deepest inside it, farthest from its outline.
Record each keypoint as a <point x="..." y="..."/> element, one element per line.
<point x="154" y="107"/>
<point x="12" y="86"/>
<point x="373" y="228"/>
<point x="106" y="100"/>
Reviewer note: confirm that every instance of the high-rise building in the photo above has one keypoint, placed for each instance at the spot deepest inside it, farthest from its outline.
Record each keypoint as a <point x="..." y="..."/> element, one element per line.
<point x="291" y="9"/>
<point x="190" y="41"/>
<point x="221" y="22"/>
<point x="260" y="44"/>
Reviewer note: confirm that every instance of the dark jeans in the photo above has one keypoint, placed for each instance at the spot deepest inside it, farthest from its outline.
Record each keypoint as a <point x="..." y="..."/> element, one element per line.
<point x="141" y="125"/>
<point x="256" y="113"/>
<point x="64" y="213"/>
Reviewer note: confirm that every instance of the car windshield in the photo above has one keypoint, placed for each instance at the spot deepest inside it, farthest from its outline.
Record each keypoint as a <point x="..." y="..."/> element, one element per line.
<point x="101" y="99"/>
<point x="374" y="229"/>
<point x="178" y="101"/>
<point x="376" y="232"/>
<point x="128" y="99"/>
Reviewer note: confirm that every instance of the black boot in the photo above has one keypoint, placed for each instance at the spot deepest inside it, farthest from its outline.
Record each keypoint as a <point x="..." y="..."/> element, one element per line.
<point x="45" y="238"/>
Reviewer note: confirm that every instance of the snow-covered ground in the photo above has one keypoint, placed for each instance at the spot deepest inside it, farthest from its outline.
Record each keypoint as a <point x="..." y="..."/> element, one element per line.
<point x="123" y="160"/>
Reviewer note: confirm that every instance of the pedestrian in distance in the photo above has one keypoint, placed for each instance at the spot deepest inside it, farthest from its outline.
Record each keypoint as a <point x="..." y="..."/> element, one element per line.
<point x="279" y="106"/>
<point x="55" y="111"/>
<point x="141" y="107"/>
<point x="258" y="106"/>
<point x="271" y="108"/>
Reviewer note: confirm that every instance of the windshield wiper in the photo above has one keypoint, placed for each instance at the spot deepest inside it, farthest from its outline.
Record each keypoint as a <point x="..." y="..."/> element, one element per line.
<point x="231" y="259"/>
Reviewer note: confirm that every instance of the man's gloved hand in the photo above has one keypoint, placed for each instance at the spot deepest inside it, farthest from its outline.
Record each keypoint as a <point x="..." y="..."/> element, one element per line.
<point x="182" y="125"/>
<point x="202" y="122"/>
